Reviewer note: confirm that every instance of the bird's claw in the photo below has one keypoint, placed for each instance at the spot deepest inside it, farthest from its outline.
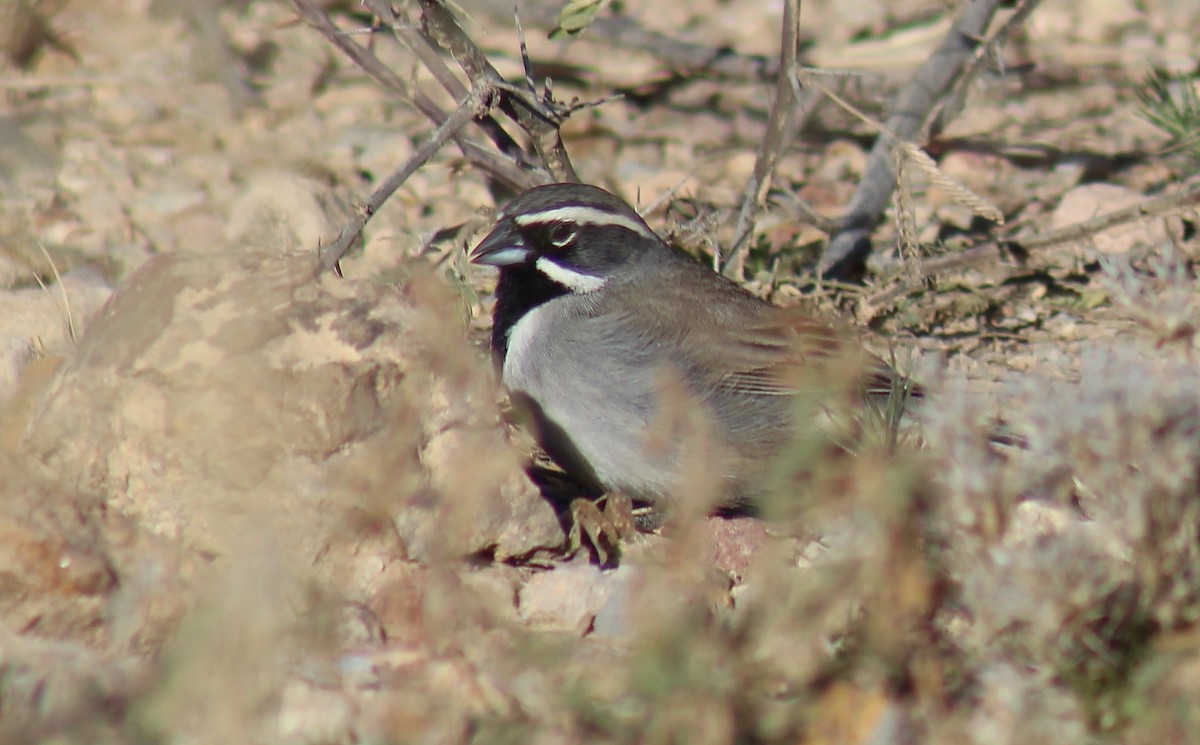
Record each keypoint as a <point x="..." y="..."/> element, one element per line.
<point x="606" y="522"/>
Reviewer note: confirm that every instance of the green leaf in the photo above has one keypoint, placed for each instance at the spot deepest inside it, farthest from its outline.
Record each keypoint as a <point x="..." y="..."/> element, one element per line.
<point x="576" y="16"/>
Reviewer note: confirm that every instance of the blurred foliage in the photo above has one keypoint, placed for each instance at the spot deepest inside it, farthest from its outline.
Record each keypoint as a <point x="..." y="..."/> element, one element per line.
<point x="576" y="16"/>
<point x="1171" y="103"/>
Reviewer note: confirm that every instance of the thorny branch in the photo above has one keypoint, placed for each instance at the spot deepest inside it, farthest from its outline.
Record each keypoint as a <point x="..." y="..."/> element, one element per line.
<point x="952" y="104"/>
<point x="539" y="118"/>
<point x="431" y="58"/>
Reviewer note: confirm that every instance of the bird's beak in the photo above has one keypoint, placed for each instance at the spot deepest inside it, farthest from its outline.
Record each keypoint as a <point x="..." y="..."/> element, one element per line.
<point x="504" y="246"/>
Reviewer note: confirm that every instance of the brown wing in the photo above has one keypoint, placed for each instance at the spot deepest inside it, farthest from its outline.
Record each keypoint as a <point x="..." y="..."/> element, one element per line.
<point x="740" y="343"/>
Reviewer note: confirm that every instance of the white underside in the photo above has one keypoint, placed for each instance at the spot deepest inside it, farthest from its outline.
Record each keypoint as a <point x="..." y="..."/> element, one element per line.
<point x="521" y="338"/>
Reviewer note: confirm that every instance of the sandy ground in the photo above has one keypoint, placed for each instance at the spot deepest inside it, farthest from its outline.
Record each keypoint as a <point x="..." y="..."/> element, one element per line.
<point x="245" y="500"/>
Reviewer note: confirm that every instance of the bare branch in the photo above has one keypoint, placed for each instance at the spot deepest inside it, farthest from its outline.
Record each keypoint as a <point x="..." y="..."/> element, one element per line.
<point x="474" y="105"/>
<point x="485" y="159"/>
<point x="1163" y="205"/>
<point x="431" y="57"/>
<point x="845" y="256"/>
<point x="952" y="104"/>
<point x="539" y="119"/>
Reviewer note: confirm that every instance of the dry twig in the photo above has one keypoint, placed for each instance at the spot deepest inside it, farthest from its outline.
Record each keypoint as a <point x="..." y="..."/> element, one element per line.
<point x="952" y="104"/>
<point x="431" y="58"/>
<point x="782" y="110"/>
<point x="993" y="250"/>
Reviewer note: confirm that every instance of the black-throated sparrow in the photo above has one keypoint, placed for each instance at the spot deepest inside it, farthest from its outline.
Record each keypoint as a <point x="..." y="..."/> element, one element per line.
<point x="604" y="330"/>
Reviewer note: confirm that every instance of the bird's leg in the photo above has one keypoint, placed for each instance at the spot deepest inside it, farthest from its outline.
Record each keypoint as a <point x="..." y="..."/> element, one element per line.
<point x="606" y="522"/>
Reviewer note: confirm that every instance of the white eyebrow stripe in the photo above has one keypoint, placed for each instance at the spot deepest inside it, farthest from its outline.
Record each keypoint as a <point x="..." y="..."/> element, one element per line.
<point x="569" y="278"/>
<point x="584" y="216"/>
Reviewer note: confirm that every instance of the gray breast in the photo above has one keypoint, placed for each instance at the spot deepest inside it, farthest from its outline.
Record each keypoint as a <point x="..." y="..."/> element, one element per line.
<point x="609" y="407"/>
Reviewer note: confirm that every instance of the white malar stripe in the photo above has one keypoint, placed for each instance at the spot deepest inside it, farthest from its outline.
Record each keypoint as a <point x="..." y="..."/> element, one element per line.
<point x="569" y="278"/>
<point x="583" y="216"/>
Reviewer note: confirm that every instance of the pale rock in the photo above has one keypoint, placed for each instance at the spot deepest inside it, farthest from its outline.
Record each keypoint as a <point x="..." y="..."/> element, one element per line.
<point x="1092" y="200"/>
<point x="566" y="599"/>
<point x="223" y="398"/>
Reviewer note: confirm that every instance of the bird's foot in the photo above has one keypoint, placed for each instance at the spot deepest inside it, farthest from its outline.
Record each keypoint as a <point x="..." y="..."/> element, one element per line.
<point x="606" y="522"/>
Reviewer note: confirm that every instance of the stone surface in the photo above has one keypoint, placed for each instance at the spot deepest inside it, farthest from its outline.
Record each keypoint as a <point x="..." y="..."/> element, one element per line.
<point x="566" y="599"/>
<point x="239" y="399"/>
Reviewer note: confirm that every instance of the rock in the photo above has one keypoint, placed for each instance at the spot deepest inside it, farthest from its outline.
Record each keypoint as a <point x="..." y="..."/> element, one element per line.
<point x="568" y="598"/>
<point x="238" y="400"/>
<point x="733" y="543"/>
<point x="51" y="680"/>
<point x="55" y="568"/>
<point x="1092" y="200"/>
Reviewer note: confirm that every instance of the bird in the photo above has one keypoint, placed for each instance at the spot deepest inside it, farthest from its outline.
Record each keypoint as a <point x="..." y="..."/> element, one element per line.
<point x="638" y="365"/>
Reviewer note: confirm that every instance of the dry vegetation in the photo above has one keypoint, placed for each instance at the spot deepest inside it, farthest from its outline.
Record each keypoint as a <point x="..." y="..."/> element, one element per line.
<point x="244" y="499"/>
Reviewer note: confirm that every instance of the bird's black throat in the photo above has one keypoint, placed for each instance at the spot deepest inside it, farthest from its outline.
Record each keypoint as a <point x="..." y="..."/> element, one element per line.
<point x="521" y="288"/>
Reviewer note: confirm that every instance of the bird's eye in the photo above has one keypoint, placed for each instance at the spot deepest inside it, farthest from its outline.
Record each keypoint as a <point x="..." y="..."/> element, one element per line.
<point x="562" y="235"/>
